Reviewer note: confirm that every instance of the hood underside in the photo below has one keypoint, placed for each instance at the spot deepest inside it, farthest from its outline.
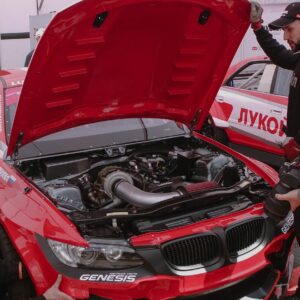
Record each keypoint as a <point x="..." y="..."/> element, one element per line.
<point x="102" y="60"/>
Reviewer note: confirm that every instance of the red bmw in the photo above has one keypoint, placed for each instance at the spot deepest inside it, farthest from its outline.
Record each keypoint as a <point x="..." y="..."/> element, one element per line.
<point x="103" y="178"/>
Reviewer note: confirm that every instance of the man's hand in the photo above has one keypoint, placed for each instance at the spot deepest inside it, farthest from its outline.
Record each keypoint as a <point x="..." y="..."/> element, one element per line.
<point x="291" y="149"/>
<point x="293" y="197"/>
<point x="255" y="12"/>
<point x="53" y="293"/>
<point x="255" y="15"/>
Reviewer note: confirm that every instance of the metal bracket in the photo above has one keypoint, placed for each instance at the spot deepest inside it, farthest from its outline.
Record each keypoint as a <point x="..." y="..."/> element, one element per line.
<point x="115" y="151"/>
<point x="39" y="6"/>
<point x="195" y="119"/>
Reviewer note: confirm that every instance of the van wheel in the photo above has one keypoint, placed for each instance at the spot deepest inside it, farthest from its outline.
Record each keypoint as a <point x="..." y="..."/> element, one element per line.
<point x="210" y="130"/>
<point x="19" y="289"/>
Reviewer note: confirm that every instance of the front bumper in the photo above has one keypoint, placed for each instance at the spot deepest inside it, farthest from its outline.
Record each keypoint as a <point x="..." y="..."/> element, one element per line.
<point x="154" y="280"/>
<point x="253" y="277"/>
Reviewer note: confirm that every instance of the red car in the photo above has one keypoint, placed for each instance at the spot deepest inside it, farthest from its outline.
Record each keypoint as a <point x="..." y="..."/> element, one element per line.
<point x="249" y="112"/>
<point x="101" y="182"/>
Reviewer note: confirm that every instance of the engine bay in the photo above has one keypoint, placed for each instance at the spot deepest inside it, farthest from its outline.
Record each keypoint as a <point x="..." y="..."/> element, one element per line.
<point x="145" y="187"/>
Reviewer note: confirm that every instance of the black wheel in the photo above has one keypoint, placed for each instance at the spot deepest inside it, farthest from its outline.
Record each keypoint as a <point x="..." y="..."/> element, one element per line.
<point x="209" y="129"/>
<point x="18" y="289"/>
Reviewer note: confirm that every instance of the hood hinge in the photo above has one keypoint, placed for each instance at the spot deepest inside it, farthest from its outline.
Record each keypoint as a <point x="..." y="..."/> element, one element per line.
<point x="195" y="120"/>
<point x="17" y="146"/>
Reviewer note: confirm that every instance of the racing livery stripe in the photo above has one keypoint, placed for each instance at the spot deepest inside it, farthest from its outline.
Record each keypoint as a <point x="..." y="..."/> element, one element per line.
<point x="280" y="101"/>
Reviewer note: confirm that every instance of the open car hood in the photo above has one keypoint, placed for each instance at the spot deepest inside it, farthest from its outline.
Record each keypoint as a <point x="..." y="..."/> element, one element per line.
<point x="101" y="60"/>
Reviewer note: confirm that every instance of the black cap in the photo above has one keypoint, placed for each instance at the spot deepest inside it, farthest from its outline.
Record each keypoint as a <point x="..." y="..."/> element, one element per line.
<point x="291" y="13"/>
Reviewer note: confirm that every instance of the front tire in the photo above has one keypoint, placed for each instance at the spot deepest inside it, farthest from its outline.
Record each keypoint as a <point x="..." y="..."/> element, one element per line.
<point x="18" y="289"/>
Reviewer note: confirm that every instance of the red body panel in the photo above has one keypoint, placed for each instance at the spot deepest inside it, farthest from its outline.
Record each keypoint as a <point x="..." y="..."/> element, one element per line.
<point x="146" y="66"/>
<point x="33" y="211"/>
<point x="269" y="97"/>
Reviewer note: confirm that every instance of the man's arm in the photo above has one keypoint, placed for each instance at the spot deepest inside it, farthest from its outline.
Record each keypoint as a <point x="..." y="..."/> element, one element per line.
<point x="278" y="53"/>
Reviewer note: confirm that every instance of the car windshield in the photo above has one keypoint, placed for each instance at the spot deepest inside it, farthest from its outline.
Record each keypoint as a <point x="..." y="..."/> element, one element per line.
<point x="92" y="136"/>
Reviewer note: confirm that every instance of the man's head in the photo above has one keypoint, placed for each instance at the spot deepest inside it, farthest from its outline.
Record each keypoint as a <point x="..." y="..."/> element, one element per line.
<point x="289" y="22"/>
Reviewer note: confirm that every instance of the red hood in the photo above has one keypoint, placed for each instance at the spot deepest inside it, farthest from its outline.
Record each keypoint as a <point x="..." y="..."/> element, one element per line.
<point x="111" y="59"/>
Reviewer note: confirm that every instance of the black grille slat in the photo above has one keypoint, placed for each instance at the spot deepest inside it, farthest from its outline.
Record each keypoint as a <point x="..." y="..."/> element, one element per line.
<point x="197" y="250"/>
<point x="245" y="237"/>
<point x="206" y="249"/>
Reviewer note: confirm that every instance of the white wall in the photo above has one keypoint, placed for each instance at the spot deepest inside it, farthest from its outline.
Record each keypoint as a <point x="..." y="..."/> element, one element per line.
<point x="14" y="17"/>
<point x="55" y="5"/>
<point x="14" y="14"/>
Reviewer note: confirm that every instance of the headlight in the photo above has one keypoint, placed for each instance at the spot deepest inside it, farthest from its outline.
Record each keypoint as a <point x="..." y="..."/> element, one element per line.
<point x="114" y="255"/>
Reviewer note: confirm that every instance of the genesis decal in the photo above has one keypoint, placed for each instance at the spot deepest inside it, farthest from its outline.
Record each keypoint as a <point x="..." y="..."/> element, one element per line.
<point x="6" y="177"/>
<point x="111" y="277"/>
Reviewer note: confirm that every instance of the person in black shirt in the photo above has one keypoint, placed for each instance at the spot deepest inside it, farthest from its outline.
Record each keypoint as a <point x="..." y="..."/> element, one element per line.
<point x="37" y="35"/>
<point x="28" y="58"/>
<point x="9" y="272"/>
<point x="289" y="22"/>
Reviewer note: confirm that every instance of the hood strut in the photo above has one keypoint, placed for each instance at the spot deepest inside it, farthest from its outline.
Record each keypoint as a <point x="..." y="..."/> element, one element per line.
<point x="18" y="145"/>
<point x="195" y="119"/>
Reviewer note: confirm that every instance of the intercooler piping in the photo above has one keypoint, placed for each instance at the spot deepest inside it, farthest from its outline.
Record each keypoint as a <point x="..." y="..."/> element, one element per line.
<point x="119" y="184"/>
<point x="133" y="195"/>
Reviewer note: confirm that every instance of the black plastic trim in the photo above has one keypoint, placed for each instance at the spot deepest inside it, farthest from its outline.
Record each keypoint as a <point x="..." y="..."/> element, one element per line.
<point x="14" y="36"/>
<point x="255" y="287"/>
<point x="266" y="157"/>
